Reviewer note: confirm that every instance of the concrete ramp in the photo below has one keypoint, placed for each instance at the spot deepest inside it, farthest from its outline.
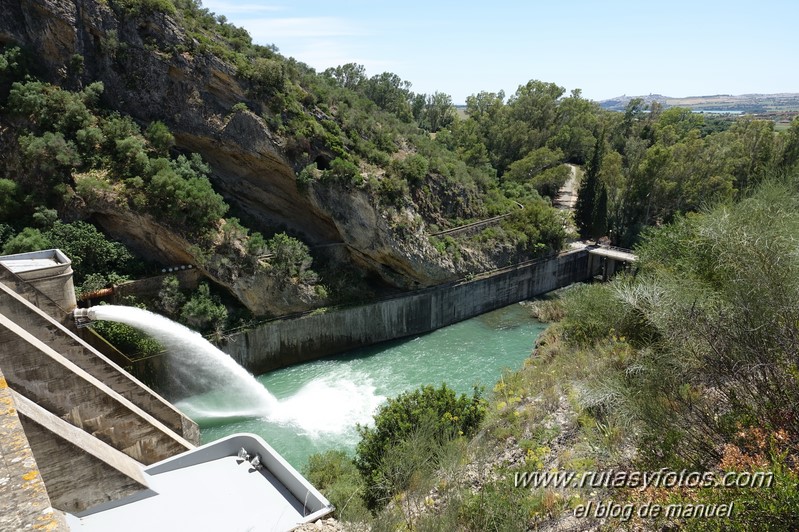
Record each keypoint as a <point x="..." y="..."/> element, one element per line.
<point x="23" y="311"/>
<point x="40" y="373"/>
<point x="79" y="470"/>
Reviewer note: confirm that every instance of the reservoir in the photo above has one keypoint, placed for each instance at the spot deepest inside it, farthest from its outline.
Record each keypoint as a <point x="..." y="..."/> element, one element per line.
<point x="321" y="402"/>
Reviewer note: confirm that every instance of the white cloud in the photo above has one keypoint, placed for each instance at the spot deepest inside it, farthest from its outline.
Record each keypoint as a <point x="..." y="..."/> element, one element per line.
<point x="299" y="27"/>
<point x="325" y="53"/>
<point x="231" y="7"/>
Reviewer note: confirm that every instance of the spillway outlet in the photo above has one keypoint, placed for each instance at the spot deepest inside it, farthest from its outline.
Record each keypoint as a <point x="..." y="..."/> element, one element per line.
<point x="83" y="317"/>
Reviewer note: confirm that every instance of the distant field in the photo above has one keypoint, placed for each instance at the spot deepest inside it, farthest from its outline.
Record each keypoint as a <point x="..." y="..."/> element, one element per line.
<point x="759" y="104"/>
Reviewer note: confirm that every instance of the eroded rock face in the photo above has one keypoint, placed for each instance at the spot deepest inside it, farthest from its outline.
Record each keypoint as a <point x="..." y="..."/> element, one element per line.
<point x="393" y="244"/>
<point x="194" y="95"/>
<point x="255" y="288"/>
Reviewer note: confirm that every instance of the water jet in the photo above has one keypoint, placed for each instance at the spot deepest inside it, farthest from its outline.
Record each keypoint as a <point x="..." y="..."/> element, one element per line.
<point x="195" y="365"/>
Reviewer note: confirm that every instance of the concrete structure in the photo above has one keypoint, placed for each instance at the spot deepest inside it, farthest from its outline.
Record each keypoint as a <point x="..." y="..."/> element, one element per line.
<point x="214" y="487"/>
<point x="77" y="431"/>
<point x="608" y="260"/>
<point x="48" y="271"/>
<point x="284" y="342"/>
<point x="24" y="502"/>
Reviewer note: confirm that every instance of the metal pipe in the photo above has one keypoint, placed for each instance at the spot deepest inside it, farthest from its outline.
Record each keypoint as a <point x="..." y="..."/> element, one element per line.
<point x="103" y="292"/>
<point x="83" y="316"/>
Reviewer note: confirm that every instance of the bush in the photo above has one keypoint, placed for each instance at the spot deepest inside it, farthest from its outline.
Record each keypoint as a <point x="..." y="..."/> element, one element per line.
<point x="343" y="172"/>
<point x="160" y="137"/>
<point x="393" y="190"/>
<point x="538" y="228"/>
<point x="30" y="239"/>
<point x="181" y="192"/>
<point x="291" y="258"/>
<point x="441" y="415"/>
<point x="89" y="249"/>
<point x="334" y="474"/>
<point x="10" y="206"/>
<point x="412" y="168"/>
<point x="134" y="343"/>
<point x="204" y="311"/>
<point x="144" y="7"/>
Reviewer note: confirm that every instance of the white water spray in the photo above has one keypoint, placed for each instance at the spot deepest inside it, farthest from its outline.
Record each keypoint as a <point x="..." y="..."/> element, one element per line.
<point x="196" y="361"/>
<point x="331" y="404"/>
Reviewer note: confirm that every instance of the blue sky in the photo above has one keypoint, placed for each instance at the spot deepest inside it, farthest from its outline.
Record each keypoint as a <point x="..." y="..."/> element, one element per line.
<point x="604" y="47"/>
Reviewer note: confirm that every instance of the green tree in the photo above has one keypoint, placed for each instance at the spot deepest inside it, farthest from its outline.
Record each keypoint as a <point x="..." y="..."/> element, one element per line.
<point x="161" y="139"/>
<point x="334" y="474"/>
<point x="12" y="69"/>
<point x="89" y="250"/>
<point x="181" y="192"/>
<point x="204" y="312"/>
<point x="437" y="112"/>
<point x="10" y="206"/>
<point x="391" y="94"/>
<point x="291" y="258"/>
<point x="170" y="298"/>
<point x="350" y="76"/>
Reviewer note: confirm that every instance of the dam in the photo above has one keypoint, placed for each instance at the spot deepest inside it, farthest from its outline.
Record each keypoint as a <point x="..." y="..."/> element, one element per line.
<point x="85" y="438"/>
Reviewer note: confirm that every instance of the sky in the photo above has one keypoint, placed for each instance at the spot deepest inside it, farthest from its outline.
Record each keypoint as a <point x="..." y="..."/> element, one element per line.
<point x="606" y="48"/>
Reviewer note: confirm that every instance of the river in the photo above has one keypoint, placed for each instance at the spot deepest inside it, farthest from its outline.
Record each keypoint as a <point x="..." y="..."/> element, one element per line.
<point x="321" y="402"/>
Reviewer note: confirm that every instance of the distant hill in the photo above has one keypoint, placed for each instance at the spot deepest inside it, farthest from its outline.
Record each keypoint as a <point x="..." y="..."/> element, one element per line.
<point x="718" y="103"/>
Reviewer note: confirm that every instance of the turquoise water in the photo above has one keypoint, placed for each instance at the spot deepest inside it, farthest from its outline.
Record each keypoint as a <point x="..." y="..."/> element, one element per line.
<point x="320" y="402"/>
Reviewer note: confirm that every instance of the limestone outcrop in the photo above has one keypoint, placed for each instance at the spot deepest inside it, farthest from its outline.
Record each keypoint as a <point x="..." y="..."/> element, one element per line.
<point x="148" y="74"/>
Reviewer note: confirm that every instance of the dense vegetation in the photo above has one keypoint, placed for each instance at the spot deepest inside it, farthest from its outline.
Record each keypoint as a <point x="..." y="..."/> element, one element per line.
<point x="688" y="364"/>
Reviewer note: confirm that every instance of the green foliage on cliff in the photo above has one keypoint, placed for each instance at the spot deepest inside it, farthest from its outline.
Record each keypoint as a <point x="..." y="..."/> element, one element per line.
<point x="68" y="137"/>
<point x="334" y="473"/>
<point x="92" y="254"/>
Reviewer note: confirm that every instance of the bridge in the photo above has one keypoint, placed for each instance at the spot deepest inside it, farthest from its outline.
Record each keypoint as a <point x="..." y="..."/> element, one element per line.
<point x="608" y="259"/>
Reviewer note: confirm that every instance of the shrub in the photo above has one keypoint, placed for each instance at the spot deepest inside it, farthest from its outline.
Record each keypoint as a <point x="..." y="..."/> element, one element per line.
<point x="441" y="411"/>
<point x="89" y="249"/>
<point x="204" y="311"/>
<point x="144" y="7"/>
<point x="393" y="190"/>
<point x="160" y="137"/>
<point x="343" y="172"/>
<point x="92" y="185"/>
<point x="334" y="474"/>
<point x="29" y="239"/>
<point x="412" y="168"/>
<point x="10" y="206"/>
<point x="181" y="192"/>
<point x="170" y="298"/>
<point x="132" y="342"/>
<point x="291" y="258"/>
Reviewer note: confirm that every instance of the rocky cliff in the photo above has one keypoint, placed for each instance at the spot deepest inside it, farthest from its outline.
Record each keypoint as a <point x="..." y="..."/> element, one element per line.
<point x="138" y="58"/>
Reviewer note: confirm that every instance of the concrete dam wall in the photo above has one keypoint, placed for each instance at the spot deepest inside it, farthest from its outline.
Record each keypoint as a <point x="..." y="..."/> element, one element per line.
<point x="284" y="342"/>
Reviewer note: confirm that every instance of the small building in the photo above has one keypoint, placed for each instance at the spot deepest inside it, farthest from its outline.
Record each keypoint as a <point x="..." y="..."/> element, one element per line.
<point x="48" y="271"/>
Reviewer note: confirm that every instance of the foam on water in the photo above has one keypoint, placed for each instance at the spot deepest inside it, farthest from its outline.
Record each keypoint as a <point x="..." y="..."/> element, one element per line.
<point x="330" y="405"/>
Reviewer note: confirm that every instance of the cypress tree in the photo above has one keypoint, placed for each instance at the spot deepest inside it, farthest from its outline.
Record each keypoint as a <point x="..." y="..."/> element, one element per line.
<point x="585" y="211"/>
<point x="600" y="214"/>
